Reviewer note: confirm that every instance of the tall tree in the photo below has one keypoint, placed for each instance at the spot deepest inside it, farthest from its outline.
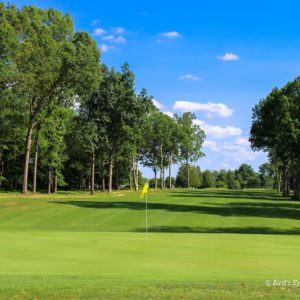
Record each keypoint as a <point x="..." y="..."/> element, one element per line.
<point x="48" y="57"/>
<point x="192" y="138"/>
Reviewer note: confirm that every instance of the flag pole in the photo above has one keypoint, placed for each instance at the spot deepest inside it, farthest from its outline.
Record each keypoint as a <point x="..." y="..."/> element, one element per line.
<point x="147" y="216"/>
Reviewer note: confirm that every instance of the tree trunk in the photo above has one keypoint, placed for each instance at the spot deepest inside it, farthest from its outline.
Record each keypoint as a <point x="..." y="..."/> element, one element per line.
<point x="136" y="176"/>
<point x="110" y="175"/>
<point x="161" y="167"/>
<point x="103" y="184"/>
<point x="297" y="181"/>
<point x="35" y="166"/>
<point x="188" y="173"/>
<point x="155" y="178"/>
<point x="278" y="178"/>
<point x="55" y="182"/>
<point x="286" y="182"/>
<point x="130" y="179"/>
<point x="93" y="174"/>
<point x="1" y="170"/>
<point x="49" y="180"/>
<point x="170" y="178"/>
<point x="26" y="159"/>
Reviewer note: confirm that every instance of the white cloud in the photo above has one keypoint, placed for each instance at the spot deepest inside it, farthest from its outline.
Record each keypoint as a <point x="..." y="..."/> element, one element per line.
<point x="143" y="13"/>
<point x="189" y="77"/>
<point x="218" y="131"/>
<point x="106" y="48"/>
<point x="228" y="57"/>
<point x="240" y="154"/>
<point x="157" y="104"/>
<point x="211" y="108"/>
<point x="170" y="34"/>
<point x="99" y="31"/>
<point x="94" y="22"/>
<point x="118" y="30"/>
<point x="212" y="145"/>
<point x="169" y="113"/>
<point x="242" y="141"/>
<point x="113" y="39"/>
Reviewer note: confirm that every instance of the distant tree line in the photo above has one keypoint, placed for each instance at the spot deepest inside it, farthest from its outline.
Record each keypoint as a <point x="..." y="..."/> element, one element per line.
<point x="243" y="177"/>
<point x="68" y="121"/>
<point x="276" y="130"/>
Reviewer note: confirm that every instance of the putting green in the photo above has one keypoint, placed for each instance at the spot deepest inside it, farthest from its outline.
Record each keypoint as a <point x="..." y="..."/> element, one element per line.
<point x="164" y="256"/>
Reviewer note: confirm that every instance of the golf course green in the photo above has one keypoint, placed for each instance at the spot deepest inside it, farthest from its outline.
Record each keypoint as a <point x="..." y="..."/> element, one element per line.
<point x="201" y="244"/>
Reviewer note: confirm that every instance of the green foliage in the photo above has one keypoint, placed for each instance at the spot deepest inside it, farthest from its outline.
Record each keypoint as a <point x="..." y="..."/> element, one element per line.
<point x="195" y="176"/>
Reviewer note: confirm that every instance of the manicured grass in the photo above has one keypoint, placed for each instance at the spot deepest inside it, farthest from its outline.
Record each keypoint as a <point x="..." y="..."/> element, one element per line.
<point x="211" y="244"/>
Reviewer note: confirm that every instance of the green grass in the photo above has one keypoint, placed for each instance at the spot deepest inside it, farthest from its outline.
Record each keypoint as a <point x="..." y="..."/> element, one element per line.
<point x="210" y="244"/>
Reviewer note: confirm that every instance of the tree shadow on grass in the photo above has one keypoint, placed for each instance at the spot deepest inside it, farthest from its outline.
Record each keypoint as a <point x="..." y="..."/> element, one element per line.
<point x="247" y="195"/>
<point x="237" y="230"/>
<point x="246" y="209"/>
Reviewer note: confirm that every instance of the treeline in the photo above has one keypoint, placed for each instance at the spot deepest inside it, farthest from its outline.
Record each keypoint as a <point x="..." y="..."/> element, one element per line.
<point x="66" y="120"/>
<point x="241" y="178"/>
<point x="276" y="130"/>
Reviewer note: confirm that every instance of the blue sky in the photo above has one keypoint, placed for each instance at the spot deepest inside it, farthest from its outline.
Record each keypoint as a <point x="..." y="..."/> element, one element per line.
<point x="216" y="58"/>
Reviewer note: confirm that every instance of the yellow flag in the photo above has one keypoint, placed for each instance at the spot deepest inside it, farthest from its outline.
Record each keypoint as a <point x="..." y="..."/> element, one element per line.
<point x="144" y="190"/>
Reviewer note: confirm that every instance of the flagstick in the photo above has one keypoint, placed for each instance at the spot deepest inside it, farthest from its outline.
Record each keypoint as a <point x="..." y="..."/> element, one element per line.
<point x="147" y="216"/>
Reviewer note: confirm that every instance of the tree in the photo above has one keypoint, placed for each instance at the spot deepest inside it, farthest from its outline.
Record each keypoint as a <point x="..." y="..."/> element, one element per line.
<point x="195" y="176"/>
<point x="118" y="112"/>
<point x="209" y="180"/>
<point x="243" y="173"/>
<point x="47" y="58"/>
<point x="266" y="175"/>
<point x="192" y="137"/>
<point x="275" y="129"/>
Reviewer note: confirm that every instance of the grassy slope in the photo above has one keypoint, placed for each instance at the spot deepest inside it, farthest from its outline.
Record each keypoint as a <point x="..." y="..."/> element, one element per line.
<point x="99" y="240"/>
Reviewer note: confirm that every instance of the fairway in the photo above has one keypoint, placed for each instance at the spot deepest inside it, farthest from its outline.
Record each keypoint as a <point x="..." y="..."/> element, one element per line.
<point x="198" y="239"/>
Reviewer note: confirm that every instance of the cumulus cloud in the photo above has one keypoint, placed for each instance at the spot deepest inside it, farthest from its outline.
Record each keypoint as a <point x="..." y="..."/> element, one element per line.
<point x="219" y="131"/>
<point x="99" y="32"/>
<point x="189" y="77"/>
<point x="170" y="34"/>
<point x="211" y="108"/>
<point x="212" y="145"/>
<point x="157" y="104"/>
<point x="118" y="30"/>
<point x="106" y="48"/>
<point x="113" y="39"/>
<point x="228" y="57"/>
<point x="169" y="113"/>
<point x="242" y="141"/>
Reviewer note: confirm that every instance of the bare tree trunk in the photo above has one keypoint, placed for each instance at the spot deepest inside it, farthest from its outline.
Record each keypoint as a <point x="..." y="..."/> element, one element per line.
<point x="130" y="179"/>
<point x="188" y="173"/>
<point x="170" y="178"/>
<point x="35" y="165"/>
<point x="55" y="182"/>
<point x="297" y="181"/>
<point x="110" y="175"/>
<point x="161" y="167"/>
<point x="155" y="177"/>
<point x="1" y="169"/>
<point x="286" y="181"/>
<point x="278" y="178"/>
<point x="26" y="160"/>
<point x="93" y="174"/>
<point x="49" y="180"/>
<point x="103" y="184"/>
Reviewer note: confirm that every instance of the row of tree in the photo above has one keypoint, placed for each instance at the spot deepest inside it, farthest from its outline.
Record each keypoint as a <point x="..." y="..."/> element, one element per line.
<point x="243" y="177"/>
<point x="68" y="120"/>
<point x="276" y="130"/>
